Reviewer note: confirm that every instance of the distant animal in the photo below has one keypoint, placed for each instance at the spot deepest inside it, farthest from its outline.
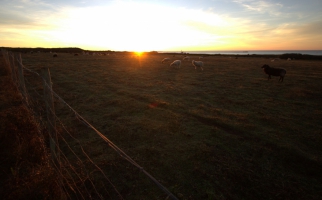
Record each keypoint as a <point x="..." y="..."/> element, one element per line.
<point x="289" y="59"/>
<point x="165" y="60"/>
<point x="197" y="64"/>
<point x="274" y="72"/>
<point x="275" y="59"/>
<point x="186" y="58"/>
<point x="55" y="55"/>
<point x="176" y="64"/>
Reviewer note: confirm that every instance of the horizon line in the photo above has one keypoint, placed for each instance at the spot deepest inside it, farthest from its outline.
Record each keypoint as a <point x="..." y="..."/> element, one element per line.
<point x="170" y="50"/>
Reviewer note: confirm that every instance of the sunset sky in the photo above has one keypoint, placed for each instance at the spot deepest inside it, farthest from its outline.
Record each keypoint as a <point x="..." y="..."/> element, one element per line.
<point x="165" y="25"/>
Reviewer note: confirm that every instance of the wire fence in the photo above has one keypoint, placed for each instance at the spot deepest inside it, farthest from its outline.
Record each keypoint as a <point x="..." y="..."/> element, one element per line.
<point x="81" y="176"/>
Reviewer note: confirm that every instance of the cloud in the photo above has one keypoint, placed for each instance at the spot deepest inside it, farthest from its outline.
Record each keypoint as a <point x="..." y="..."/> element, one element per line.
<point x="25" y="12"/>
<point x="286" y="36"/>
<point x="312" y="28"/>
<point x="14" y="18"/>
<point x="261" y="7"/>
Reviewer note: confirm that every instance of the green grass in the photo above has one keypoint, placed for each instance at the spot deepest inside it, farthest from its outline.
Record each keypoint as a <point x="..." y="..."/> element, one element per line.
<point x="224" y="133"/>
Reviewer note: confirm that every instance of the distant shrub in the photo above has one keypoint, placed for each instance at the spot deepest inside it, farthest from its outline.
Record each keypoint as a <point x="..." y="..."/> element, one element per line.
<point x="298" y="56"/>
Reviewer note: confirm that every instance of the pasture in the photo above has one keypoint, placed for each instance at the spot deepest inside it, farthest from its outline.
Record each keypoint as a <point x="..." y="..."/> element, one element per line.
<point x="222" y="133"/>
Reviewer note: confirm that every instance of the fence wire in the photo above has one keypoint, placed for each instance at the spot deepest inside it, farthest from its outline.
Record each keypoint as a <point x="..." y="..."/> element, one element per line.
<point x="78" y="171"/>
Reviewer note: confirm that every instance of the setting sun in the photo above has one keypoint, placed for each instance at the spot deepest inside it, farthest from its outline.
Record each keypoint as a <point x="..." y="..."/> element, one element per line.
<point x="139" y="53"/>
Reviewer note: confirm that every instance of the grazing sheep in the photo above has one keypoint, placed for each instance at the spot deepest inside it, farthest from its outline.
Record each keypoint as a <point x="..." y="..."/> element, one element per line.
<point x="275" y="59"/>
<point x="186" y="58"/>
<point x="289" y="59"/>
<point x="200" y="57"/>
<point x="274" y="72"/>
<point x="197" y="64"/>
<point x="176" y="64"/>
<point x="165" y="60"/>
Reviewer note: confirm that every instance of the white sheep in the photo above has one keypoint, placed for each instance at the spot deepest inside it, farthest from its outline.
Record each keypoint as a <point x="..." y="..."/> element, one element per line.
<point x="176" y="64"/>
<point x="289" y="59"/>
<point x="200" y="57"/>
<point x="165" y="60"/>
<point x="186" y="58"/>
<point x="197" y="64"/>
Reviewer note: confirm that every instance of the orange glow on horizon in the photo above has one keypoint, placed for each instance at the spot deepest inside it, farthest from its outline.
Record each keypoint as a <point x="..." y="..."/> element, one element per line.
<point x="139" y="53"/>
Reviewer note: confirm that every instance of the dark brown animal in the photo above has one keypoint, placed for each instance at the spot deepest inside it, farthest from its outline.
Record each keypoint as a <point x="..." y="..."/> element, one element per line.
<point x="274" y="72"/>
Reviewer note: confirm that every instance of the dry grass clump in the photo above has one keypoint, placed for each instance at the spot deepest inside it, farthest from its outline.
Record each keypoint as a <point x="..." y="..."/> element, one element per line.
<point x="25" y="169"/>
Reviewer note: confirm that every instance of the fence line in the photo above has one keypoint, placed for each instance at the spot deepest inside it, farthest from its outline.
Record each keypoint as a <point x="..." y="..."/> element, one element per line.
<point x="17" y="69"/>
<point x="55" y="148"/>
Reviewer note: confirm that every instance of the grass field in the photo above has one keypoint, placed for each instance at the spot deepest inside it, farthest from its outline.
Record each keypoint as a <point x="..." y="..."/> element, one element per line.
<point x="222" y="133"/>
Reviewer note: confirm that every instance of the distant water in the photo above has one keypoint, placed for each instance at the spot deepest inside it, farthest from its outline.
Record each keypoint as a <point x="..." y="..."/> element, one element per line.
<point x="278" y="52"/>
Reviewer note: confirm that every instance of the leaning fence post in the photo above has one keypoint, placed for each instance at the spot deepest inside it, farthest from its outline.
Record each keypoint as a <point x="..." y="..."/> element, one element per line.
<point x="13" y="68"/>
<point x="5" y="55"/>
<point x="49" y="100"/>
<point x="48" y="97"/>
<point x="8" y="59"/>
<point x="21" y="78"/>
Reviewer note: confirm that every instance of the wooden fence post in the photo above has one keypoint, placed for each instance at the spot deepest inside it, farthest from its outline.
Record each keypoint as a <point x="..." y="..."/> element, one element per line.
<point x="8" y="59"/>
<point x="13" y="68"/>
<point x="5" y="55"/>
<point x="49" y="100"/>
<point x="21" y="78"/>
<point x="48" y="95"/>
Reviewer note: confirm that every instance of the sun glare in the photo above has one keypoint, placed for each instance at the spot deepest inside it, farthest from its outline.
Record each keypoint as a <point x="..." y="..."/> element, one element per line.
<point x="139" y="53"/>
<point x="130" y="27"/>
<point x="139" y="32"/>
